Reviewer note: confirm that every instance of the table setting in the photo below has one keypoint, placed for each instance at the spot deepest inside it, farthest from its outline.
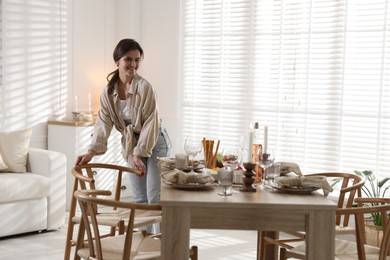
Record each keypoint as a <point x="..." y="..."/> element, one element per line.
<point x="249" y="187"/>
<point x="187" y="180"/>
<point x="302" y="184"/>
<point x="250" y="167"/>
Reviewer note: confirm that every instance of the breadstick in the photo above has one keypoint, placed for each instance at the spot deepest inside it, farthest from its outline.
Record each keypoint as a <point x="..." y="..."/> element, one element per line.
<point x="210" y="162"/>
<point x="216" y="153"/>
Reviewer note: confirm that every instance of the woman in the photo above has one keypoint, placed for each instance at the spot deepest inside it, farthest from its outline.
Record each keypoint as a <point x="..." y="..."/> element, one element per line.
<point x="128" y="102"/>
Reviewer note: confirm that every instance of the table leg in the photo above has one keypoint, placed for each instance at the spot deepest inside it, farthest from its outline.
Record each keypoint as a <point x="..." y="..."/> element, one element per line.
<point x="320" y="233"/>
<point x="175" y="228"/>
<point x="270" y="250"/>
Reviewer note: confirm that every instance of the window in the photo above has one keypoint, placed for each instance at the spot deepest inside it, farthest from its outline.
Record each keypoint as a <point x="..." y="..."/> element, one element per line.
<point x="34" y="61"/>
<point x="317" y="72"/>
<point x="1" y="43"/>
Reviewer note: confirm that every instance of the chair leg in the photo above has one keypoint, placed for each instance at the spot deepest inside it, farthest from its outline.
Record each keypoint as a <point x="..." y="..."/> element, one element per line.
<point x="121" y="228"/>
<point x="69" y="234"/>
<point x="112" y="231"/>
<point x="80" y="240"/>
<point x="283" y="253"/>
<point x="260" y="245"/>
<point x="264" y="252"/>
<point x="194" y="253"/>
<point x="68" y="242"/>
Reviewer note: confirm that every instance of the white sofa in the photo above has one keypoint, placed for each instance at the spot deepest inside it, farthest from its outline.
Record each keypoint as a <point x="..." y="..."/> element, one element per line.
<point x="35" y="200"/>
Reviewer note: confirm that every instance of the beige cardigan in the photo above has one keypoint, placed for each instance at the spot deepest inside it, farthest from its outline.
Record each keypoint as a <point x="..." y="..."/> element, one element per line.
<point x="144" y="120"/>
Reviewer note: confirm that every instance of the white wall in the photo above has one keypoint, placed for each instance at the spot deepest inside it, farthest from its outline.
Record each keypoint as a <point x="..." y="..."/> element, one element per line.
<point x="97" y="26"/>
<point x="160" y="27"/>
<point x="90" y="30"/>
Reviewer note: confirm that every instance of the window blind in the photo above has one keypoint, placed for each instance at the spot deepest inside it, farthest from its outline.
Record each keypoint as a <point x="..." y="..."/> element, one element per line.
<point x="34" y="55"/>
<point x="1" y="43"/>
<point x="316" y="72"/>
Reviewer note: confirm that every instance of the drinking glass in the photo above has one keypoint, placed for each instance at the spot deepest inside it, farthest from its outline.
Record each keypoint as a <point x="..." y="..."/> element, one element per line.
<point x="181" y="161"/>
<point x="192" y="147"/>
<point x="266" y="161"/>
<point x="231" y="158"/>
<point x="272" y="173"/>
<point x="225" y="180"/>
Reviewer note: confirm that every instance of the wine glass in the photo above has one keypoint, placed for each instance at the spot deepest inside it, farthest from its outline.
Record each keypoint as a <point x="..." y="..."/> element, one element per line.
<point x="244" y="143"/>
<point x="192" y="147"/>
<point x="231" y="158"/>
<point x="266" y="161"/>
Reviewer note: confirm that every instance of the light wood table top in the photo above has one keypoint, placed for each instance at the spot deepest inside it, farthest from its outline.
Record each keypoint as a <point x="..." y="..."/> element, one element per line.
<point x="265" y="210"/>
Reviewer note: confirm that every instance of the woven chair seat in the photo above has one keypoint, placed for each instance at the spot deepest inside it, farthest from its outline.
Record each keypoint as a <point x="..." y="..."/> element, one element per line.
<point x="112" y="217"/>
<point x="143" y="247"/>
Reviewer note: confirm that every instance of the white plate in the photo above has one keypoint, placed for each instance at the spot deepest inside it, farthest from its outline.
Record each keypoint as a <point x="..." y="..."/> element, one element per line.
<point x="190" y="186"/>
<point x="294" y="190"/>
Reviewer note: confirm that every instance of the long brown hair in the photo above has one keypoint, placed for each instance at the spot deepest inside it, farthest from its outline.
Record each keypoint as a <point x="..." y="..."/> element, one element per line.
<point x="123" y="47"/>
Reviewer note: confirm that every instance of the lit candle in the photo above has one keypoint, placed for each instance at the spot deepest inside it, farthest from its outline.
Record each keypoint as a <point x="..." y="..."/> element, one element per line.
<point x="76" y="105"/>
<point x="250" y="143"/>
<point x="265" y="137"/>
<point x="89" y="103"/>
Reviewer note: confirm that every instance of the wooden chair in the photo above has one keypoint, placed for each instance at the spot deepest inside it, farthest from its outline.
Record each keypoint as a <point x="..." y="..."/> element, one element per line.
<point x="350" y="188"/>
<point x="125" y="246"/>
<point x="130" y="245"/>
<point x="116" y="219"/>
<point x="351" y="250"/>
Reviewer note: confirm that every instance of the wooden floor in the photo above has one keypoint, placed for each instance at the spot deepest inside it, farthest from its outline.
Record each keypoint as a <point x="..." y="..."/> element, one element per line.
<point x="212" y="244"/>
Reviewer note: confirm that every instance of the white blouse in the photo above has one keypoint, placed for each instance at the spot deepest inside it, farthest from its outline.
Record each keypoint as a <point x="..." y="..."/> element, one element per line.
<point x="125" y="108"/>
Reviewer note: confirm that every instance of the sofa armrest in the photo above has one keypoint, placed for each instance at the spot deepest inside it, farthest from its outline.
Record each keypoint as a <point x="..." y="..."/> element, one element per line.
<point x="52" y="165"/>
<point x="45" y="162"/>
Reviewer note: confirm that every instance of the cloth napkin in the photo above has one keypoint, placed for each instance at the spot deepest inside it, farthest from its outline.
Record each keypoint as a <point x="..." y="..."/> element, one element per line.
<point x="177" y="176"/>
<point x="305" y="182"/>
<point x="287" y="167"/>
<point x="168" y="163"/>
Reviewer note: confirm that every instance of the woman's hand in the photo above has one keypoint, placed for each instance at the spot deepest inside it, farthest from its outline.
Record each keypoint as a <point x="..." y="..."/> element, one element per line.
<point x="85" y="158"/>
<point x="138" y="164"/>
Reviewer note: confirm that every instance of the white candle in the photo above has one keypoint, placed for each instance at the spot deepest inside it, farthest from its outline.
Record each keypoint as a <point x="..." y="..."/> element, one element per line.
<point x="250" y="143"/>
<point x="76" y="105"/>
<point x="89" y="103"/>
<point x="265" y="137"/>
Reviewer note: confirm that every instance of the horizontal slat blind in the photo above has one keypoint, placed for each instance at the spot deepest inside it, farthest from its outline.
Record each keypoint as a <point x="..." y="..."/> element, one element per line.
<point x="315" y="71"/>
<point x="34" y="61"/>
<point x="1" y="43"/>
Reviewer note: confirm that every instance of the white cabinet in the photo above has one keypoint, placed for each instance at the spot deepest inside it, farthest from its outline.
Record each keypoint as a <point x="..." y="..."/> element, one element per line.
<point x="73" y="138"/>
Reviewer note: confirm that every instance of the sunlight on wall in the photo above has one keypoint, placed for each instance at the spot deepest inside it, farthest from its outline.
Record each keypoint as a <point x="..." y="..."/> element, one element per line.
<point x="56" y="202"/>
<point x="34" y="62"/>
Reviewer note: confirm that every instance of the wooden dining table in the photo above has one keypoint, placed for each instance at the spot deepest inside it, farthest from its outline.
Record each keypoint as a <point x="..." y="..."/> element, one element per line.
<point x="265" y="210"/>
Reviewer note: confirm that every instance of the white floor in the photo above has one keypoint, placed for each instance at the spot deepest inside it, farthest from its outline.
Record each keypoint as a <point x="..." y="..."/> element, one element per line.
<point x="212" y="244"/>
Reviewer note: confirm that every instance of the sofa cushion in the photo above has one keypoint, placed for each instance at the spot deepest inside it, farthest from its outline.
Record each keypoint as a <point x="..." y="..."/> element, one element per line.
<point x="22" y="186"/>
<point x="2" y="164"/>
<point x="14" y="148"/>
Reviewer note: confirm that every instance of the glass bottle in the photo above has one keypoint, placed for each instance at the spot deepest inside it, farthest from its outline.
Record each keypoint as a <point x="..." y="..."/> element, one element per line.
<point x="257" y="151"/>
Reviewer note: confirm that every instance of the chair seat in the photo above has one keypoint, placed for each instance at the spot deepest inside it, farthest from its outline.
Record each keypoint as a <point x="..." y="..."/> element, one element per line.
<point x="353" y="257"/>
<point x="340" y="230"/>
<point x="110" y="217"/>
<point x="344" y="249"/>
<point x="142" y="248"/>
